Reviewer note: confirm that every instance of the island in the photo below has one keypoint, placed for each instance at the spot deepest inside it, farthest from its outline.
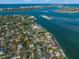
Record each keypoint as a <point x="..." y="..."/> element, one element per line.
<point x="25" y="8"/>
<point x="22" y="38"/>
<point x="68" y="10"/>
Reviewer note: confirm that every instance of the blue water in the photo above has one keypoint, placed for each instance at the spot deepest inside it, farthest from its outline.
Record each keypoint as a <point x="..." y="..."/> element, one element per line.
<point x="65" y="27"/>
<point x="21" y="5"/>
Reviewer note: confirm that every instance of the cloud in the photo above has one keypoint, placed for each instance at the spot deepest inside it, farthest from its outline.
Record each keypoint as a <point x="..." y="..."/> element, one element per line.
<point x="38" y="1"/>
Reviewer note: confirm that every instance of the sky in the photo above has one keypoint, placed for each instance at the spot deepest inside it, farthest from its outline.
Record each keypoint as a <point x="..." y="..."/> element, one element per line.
<point x="38" y="1"/>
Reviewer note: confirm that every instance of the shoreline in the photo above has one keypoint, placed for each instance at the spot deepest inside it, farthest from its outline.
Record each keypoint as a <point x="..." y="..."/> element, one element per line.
<point x="55" y="41"/>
